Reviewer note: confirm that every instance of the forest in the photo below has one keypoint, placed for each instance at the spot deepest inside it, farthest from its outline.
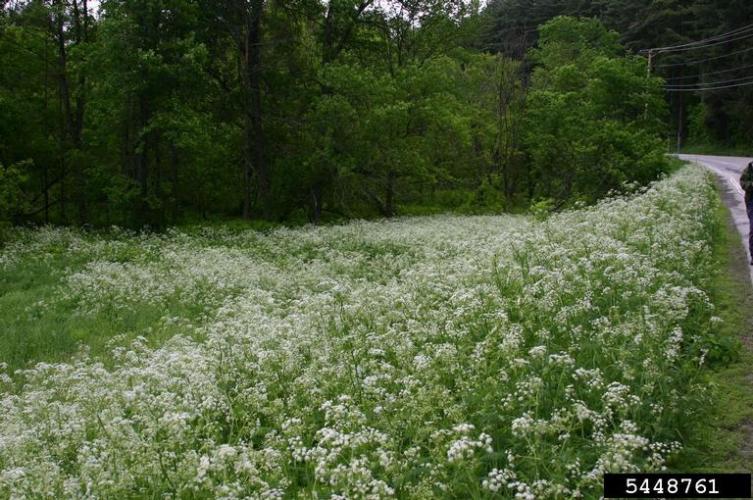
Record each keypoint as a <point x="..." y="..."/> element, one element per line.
<point x="150" y="113"/>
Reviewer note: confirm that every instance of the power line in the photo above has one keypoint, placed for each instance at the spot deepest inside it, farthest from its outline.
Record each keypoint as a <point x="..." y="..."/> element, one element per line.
<point x="704" y="89"/>
<point x="710" y="88"/>
<point x="701" y="84"/>
<point x="699" y="61"/>
<point x="699" y="43"/>
<point x="688" y="77"/>
<point x="704" y="41"/>
<point x="705" y="46"/>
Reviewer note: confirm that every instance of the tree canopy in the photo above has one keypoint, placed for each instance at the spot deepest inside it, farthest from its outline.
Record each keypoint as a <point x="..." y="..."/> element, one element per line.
<point x="715" y="116"/>
<point x="154" y="112"/>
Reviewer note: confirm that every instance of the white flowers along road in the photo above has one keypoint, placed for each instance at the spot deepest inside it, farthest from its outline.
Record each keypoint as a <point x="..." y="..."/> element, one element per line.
<point x="432" y="357"/>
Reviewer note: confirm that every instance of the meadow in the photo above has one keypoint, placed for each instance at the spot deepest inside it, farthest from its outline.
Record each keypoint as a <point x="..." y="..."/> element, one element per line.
<point x="443" y="356"/>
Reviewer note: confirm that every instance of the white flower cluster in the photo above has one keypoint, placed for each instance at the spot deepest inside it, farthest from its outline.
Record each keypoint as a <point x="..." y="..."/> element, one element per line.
<point x="421" y="357"/>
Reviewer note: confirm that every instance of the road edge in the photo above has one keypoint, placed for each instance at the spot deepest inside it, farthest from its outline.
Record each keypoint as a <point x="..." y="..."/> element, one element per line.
<point x="724" y="442"/>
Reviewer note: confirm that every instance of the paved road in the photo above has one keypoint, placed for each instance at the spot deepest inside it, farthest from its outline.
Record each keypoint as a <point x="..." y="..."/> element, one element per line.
<point x="728" y="169"/>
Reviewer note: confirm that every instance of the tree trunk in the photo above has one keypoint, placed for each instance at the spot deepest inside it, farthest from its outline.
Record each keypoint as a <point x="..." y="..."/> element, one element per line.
<point x="389" y="195"/>
<point x="63" y="174"/>
<point x="255" y="165"/>
<point x="64" y="99"/>
<point x="82" y="36"/>
<point x="72" y="123"/>
<point x="530" y="184"/>
<point x="174" y="180"/>
<point x="142" y="173"/>
<point x="45" y="171"/>
<point x="680" y="123"/>
<point x="316" y="203"/>
<point x="45" y="179"/>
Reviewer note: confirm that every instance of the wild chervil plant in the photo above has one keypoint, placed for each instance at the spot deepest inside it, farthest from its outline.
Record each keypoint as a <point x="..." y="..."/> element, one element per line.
<point x="421" y="358"/>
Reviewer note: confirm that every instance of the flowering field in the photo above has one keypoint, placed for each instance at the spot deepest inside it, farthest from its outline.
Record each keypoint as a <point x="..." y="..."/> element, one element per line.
<point x="421" y="358"/>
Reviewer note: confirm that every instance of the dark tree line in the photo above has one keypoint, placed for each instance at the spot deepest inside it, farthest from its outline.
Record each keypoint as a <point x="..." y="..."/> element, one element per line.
<point x="722" y="117"/>
<point x="154" y="112"/>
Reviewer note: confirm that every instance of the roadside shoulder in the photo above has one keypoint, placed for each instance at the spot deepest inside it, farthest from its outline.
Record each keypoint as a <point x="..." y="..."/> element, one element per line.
<point x="724" y="442"/>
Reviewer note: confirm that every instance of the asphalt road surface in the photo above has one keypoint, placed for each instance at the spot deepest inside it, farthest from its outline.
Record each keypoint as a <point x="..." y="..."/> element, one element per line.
<point x="729" y="169"/>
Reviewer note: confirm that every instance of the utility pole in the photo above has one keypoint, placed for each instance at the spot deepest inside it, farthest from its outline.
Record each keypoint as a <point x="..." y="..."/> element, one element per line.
<point x="648" y="77"/>
<point x="680" y="118"/>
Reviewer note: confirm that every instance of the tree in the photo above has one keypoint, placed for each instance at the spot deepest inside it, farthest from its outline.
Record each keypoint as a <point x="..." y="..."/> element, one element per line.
<point x="159" y="111"/>
<point x="69" y="28"/>
<point x="242" y="22"/>
<point x="12" y="203"/>
<point x="593" y="117"/>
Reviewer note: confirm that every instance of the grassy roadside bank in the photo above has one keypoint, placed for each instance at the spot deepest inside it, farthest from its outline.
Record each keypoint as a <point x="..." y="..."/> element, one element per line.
<point x="723" y="442"/>
<point x="715" y="150"/>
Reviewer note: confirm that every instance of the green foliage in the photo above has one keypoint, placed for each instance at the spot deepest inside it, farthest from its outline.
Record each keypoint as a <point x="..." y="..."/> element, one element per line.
<point x="593" y="117"/>
<point x="511" y="26"/>
<point x="350" y="110"/>
<point x="542" y="208"/>
<point x="12" y="202"/>
<point x="161" y="111"/>
<point x="698" y="132"/>
<point x="569" y="40"/>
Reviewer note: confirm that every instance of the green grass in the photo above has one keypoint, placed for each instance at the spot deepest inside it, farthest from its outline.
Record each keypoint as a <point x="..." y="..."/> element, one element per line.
<point x="716" y="442"/>
<point x="716" y="149"/>
<point x="39" y="323"/>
